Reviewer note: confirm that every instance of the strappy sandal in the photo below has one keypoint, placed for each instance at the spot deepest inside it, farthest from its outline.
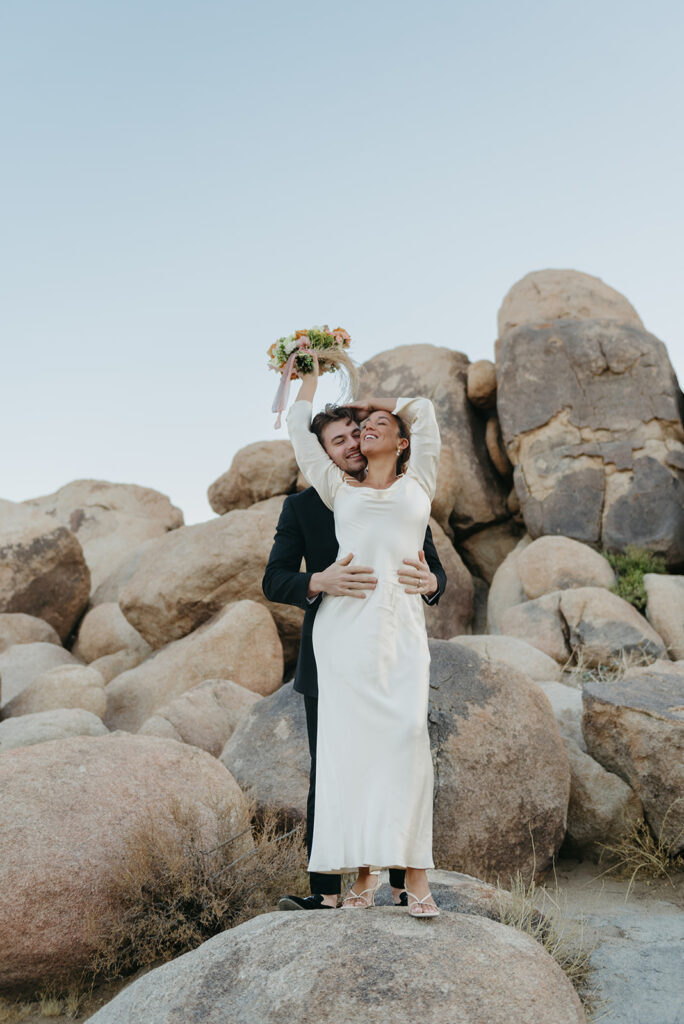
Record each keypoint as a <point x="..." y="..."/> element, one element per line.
<point x="365" y="902"/>
<point x="413" y="901"/>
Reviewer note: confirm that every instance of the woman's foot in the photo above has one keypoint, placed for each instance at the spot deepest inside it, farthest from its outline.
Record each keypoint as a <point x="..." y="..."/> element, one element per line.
<point x="419" y="897"/>
<point x="361" y="894"/>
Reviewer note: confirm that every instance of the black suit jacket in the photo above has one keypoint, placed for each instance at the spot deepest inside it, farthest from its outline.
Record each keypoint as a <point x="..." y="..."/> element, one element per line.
<point x="306" y="529"/>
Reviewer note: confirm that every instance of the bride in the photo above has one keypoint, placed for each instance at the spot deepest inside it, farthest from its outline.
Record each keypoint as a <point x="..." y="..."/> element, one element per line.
<point x="374" y="774"/>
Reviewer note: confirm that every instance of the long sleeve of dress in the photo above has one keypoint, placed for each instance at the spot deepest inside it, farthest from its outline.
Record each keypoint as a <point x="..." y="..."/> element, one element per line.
<point x="423" y="465"/>
<point x="311" y="457"/>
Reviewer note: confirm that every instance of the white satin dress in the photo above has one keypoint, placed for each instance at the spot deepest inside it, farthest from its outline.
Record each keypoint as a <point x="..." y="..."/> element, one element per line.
<point x="374" y="776"/>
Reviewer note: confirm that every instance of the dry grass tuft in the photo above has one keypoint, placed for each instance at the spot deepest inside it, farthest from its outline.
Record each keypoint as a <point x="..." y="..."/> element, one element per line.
<point x="542" y="914"/>
<point x="170" y="894"/>
<point x="577" y="673"/>
<point x="43" y="1005"/>
<point x="640" y="853"/>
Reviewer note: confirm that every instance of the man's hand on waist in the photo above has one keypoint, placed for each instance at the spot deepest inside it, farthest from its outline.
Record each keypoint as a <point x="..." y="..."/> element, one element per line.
<point x="416" y="578"/>
<point x="342" y="579"/>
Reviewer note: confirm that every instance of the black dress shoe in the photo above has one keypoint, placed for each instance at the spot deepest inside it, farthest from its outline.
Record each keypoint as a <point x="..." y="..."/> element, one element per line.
<point x="314" y="902"/>
<point x="403" y="900"/>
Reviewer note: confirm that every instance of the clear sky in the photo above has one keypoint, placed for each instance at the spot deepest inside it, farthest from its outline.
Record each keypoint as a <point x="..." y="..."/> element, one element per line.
<point x="183" y="182"/>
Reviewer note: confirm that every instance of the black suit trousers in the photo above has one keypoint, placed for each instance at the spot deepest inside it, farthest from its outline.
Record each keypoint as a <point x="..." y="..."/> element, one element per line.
<point x="322" y="883"/>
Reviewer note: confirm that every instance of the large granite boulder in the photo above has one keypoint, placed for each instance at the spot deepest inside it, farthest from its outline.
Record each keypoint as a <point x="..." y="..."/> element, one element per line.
<point x="566" y="704"/>
<point x="492" y="731"/>
<point x="189" y="575"/>
<point x="109" y="520"/>
<point x="69" y="808"/>
<point x="43" y="571"/>
<point x="21" y="664"/>
<point x="544" y="295"/>
<point x="481" y="384"/>
<point x="240" y="643"/>
<point x="268" y="753"/>
<point x="42" y="726"/>
<point x="454" y="612"/>
<point x="602" y="806"/>
<point x="65" y="686"/>
<point x="514" y="652"/>
<point x="111" y="586"/>
<point x="205" y="716"/>
<point x="590" y="620"/>
<point x="106" y="630"/>
<point x="634" y="727"/>
<point x="560" y="563"/>
<point x="477" y="493"/>
<point x="17" y="628"/>
<point x="665" y="610"/>
<point x="505" y="590"/>
<point x="257" y="472"/>
<point x="486" y="549"/>
<point x="591" y="412"/>
<point x="377" y="968"/>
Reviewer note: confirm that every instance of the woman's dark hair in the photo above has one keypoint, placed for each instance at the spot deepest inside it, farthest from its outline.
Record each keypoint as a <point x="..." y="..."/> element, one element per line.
<point x="402" y="460"/>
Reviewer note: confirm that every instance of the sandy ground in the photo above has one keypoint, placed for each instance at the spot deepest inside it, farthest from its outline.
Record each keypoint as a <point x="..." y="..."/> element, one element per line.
<point x="637" y="939"/>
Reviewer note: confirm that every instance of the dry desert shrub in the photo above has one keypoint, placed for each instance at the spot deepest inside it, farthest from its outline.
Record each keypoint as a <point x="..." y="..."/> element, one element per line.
<point x="170" y="894"/>
<point x="640" y="853"/>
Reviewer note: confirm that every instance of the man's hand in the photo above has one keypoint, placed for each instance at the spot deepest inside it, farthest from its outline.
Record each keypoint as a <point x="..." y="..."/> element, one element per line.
<point x="342" y="579"/>
<point x="416" y="578"/>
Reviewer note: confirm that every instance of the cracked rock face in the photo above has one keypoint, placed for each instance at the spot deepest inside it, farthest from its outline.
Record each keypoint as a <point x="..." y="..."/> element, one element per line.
<point x="591" y="415"/>
<point x="635" y="727"/>
<point x="588" y="619"/>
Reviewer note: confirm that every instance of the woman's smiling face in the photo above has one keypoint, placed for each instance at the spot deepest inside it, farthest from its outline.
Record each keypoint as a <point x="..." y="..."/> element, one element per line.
<point x="379" y="433"/>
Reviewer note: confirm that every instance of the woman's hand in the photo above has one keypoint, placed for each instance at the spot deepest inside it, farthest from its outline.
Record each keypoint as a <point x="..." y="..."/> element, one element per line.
<point x="365" y="406"/>
<point x="362" y="409"/>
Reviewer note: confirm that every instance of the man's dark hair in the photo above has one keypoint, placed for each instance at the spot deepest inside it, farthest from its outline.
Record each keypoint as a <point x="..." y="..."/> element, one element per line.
<point x="332" y="414"/>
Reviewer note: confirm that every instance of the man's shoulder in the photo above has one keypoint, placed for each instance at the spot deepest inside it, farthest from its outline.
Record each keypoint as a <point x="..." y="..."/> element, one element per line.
<point x="307" y="503"/>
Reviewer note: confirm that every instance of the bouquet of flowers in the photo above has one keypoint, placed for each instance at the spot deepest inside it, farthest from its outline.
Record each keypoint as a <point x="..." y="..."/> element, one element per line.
<point x="291" y="356"/>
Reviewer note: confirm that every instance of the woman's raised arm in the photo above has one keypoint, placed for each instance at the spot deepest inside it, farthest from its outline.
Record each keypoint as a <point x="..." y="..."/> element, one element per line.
<point x="312" y="459"/>
<point x="426" y="443"/>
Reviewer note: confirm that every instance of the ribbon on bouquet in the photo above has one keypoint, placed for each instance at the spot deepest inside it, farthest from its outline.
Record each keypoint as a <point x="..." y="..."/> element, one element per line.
<point x="280" y="400"/>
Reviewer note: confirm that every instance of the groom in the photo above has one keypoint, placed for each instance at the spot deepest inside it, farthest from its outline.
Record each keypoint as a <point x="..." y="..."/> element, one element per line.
<point x="306" y="530"/>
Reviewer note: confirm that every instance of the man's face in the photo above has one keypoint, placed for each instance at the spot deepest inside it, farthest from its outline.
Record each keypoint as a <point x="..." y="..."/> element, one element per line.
<point x="341" y="442"/>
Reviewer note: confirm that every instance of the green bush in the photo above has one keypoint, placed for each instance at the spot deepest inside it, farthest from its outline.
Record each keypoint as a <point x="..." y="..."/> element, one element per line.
<point x="630" y="567"/>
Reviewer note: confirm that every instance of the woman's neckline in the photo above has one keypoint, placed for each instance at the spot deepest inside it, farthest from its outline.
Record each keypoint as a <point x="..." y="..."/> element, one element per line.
<point x="364" y="487"/>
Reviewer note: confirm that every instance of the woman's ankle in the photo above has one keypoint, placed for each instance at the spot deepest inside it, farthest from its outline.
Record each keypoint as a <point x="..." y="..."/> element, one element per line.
<point x="416" y="878"/>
